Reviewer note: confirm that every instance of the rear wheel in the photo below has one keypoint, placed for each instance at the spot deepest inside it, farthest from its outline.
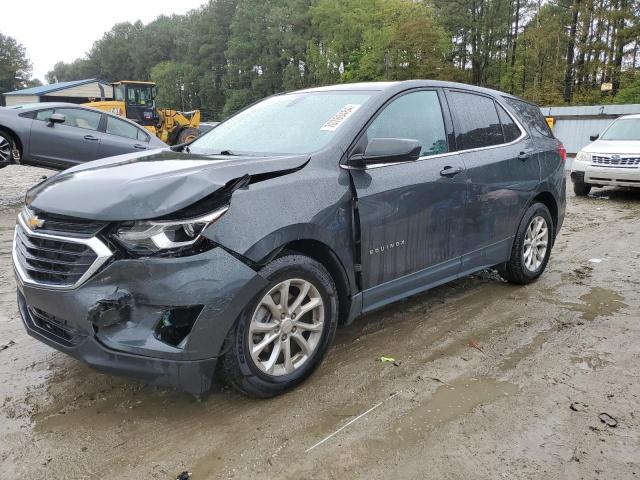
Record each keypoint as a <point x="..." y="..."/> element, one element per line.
<point x="531" y="248"/>
<point x="187" y="135"/>
<point x="284" y="333"/>
<point x="581" y="189"/>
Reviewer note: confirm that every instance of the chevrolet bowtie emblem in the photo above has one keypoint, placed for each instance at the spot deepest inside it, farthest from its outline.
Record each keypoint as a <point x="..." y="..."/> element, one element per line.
<point x="35" y="222"/>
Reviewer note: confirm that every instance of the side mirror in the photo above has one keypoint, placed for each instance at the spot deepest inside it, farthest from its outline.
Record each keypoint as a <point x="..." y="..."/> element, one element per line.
<point x="56" y="118"/>
<point x="387" y="150"/>
<point x="594" y="137"/>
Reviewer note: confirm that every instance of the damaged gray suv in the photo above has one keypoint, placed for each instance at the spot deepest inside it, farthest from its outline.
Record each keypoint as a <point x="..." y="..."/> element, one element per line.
<point x="237" y="256"/>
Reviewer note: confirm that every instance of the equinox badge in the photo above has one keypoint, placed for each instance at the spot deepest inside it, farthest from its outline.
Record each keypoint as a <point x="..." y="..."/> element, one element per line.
<point x="388" y="246"/>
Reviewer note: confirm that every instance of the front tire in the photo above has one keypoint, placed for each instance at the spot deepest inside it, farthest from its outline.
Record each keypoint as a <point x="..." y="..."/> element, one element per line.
<point x="531" y="247"/>
<point x="6" y="149"/>
<point x="285" y="331"/>
<point x="581" y="189"/>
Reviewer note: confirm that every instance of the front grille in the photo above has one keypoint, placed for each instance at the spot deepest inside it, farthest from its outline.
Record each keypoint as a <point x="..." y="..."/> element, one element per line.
<point x="53" y="262"/>
<point x="56" y="261"/>
<point x="616" y="161"/>
<point x="54" y="327"/>
<point x="69" y="226"/>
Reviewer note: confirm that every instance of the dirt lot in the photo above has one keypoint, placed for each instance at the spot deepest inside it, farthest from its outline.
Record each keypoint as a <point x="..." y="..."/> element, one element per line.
<point x="486" y="375"/>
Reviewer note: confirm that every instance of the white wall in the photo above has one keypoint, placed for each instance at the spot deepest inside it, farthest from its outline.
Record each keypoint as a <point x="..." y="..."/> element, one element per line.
<point x="11" y="100"/>
<point x="89" y="90"/>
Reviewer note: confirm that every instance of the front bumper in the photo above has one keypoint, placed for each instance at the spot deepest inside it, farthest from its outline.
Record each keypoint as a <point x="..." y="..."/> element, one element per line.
<point x="215" y="280"/>
<point x="625" y="177"/>
<point x="596" y="175"/>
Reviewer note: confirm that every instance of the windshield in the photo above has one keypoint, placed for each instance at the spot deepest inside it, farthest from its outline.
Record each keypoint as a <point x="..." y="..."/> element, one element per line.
<point x="295" y="123"/>
<point x="140" y="95"/>
<point x="623" y="129"/>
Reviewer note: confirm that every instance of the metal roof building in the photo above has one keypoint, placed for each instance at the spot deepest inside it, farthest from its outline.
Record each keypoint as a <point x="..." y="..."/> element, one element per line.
<point x="574" y="125"/>
<point x="78" y="91"/>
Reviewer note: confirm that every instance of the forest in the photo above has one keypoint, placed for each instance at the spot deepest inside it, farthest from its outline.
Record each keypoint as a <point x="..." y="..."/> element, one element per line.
<point x="229" y="53"/>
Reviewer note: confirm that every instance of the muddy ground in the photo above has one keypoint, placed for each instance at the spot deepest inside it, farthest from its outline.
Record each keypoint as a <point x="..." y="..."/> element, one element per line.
<point x="487" y="373"/>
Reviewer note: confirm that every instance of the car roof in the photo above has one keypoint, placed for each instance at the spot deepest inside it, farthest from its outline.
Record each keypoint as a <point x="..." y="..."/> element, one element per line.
<point x="371" y="86"/>
<point x="30" y="107"/>
<point x="626" y="117"/>
<point x="405" y="84"/>
<point x="27" y="107"/>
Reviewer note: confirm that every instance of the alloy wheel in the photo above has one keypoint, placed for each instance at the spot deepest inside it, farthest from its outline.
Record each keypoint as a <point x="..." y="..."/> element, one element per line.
<point x="5" y="150"/>
<point x="536" y="242"/>
<point x="286" y="327"/>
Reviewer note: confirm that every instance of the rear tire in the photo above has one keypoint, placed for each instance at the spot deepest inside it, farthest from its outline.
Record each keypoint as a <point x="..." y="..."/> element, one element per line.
<point x="531" y="247"/>
<point x="581" y="189"/>
<point x="187" y="135"/>
<point x="275" y="345"/>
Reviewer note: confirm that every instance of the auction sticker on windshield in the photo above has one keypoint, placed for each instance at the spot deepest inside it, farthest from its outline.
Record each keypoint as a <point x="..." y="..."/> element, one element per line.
<point x="338" y="119"/>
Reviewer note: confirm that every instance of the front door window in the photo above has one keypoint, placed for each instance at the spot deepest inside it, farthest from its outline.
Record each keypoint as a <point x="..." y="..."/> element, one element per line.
<point x="415" y="116"/>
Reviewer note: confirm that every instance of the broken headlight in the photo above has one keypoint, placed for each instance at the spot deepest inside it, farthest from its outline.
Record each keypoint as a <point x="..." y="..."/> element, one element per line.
<point x="154" y="236"/>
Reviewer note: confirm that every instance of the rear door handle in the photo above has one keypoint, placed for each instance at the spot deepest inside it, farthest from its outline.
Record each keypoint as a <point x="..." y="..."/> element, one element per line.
<point x="524" y="156"/>
<point x="449" y="171"/>
<point x="139" y="147"/>
<point x="91" y="138"/>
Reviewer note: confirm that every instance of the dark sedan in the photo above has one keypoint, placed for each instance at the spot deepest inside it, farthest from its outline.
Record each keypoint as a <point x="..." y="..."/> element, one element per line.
<point x="61" y="135"/>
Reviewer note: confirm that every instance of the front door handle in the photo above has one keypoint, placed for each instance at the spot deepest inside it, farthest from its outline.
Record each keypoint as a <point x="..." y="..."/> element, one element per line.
<point x="449" y="171"/>
<point x="139" y="147"/>
<point x="91" y="138"/>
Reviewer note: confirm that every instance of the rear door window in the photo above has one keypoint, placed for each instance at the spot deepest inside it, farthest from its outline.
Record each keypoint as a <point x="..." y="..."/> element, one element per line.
<point x="510" y="130"/>
<point x="415" y="116"/>
<point x="121" y="128"/>
<point x="79" y="118"/>
<point x="477" y="122"/>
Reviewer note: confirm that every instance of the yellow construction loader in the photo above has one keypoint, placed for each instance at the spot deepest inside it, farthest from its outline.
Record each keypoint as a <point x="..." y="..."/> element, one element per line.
<point x="136" y="101"/>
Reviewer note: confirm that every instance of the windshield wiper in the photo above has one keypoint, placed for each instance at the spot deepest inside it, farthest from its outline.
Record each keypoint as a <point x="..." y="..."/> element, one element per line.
<point x="228" y="153"/>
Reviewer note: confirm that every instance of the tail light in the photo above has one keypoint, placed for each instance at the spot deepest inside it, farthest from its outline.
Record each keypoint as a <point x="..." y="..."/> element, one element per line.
<point x="562" y="152"/>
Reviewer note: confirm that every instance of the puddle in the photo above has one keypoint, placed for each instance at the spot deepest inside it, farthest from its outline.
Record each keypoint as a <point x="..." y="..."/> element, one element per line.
<point x="448" y="403"/>
<point x="520" y="353"/>
<point x="107" y="411"/>
<point x="600" y="302"/>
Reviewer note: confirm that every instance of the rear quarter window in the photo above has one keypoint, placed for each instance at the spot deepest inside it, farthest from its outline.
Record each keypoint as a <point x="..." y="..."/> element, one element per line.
<point x="509" y="128"/>
<point x="142" y="136"/>
<point x="532" y="117"/>
<point x="28" y="115"/>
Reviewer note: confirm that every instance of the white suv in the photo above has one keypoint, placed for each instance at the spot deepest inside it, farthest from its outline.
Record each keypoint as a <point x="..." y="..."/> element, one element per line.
<point x="613" y="158"/>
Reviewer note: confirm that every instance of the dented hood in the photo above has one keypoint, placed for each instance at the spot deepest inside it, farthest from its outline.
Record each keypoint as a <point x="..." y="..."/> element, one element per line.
<point x="143" y="186"/>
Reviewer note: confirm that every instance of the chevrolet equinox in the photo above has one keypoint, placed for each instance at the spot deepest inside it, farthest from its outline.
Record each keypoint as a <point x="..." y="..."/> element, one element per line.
<point x="236" y="256"/>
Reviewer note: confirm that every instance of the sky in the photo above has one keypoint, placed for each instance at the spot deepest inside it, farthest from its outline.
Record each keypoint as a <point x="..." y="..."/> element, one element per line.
<point x="63" y="30"/>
